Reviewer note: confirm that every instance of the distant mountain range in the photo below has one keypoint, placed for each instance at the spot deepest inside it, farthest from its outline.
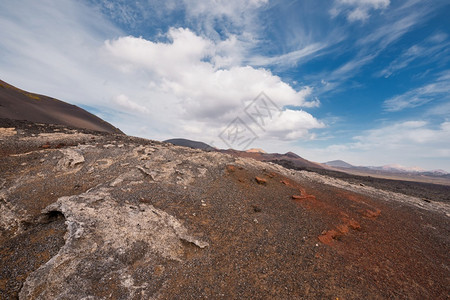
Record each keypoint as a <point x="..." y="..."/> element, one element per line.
<point x="294" y="161"/>
<point x="289" y="159"/>
<point x="17" y="104"/>
<point x="393" y="168"/>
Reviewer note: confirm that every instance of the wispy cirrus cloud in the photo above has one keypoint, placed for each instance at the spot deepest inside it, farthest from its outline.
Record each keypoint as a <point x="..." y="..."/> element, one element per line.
<point x="432" y="49"/>
<point x="288" y="59"/>
<point x="437" y="90"/>
<point x="397" y="21"/>
<point x="385" y="35"/>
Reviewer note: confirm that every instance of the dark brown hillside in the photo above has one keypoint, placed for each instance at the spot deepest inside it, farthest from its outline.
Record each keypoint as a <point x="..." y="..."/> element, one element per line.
<point x="17" y="104"/>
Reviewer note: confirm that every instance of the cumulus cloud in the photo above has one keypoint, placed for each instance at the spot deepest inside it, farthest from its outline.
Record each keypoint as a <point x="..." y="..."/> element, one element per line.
<point x="190" y="70"/>
<point x="357" y="10"/>
<point x="292" y="125"/>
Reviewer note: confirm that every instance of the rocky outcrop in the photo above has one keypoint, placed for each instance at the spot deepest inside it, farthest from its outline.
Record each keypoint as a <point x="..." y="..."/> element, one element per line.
<point x="103" y="237"/>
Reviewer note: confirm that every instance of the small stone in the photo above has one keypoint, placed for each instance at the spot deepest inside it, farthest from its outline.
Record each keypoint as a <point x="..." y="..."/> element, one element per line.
<point x="260" y="180"/>
<point x="256" y="208"/>
<point x="231" y="168"/>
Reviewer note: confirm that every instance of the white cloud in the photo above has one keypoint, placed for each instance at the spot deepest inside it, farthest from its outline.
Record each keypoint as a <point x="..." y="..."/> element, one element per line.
<point x="191" y="69"/>
<point x="230" y="8"/>
<point x="357" y="10"/>
<point x="437" y="90"/>
<point x="292" y="125"/>
<point x="414" y="142"/>
<point x="376" y="4"/>
<point x="124" y="102"/>
<point x="225" y="16"/>
<point x="358" y="14"/>
<point x="185" y="84"/>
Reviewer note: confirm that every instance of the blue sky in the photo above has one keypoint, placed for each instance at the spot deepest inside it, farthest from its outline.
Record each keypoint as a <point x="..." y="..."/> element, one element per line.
<point x="366" y="81"/>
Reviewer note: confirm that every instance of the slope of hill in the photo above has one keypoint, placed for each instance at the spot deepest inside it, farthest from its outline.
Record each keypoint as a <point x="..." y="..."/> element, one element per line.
<point x="17" y="104"/>
<point x="85" y="215"/>
<point x="258" y="150"/>
<point x="338" y="164"/>
<point x="287" y="158"/>
<point x="190" y="144"/>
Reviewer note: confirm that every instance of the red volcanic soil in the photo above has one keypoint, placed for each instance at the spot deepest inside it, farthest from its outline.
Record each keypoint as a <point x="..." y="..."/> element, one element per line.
<point x="17" y="104"/>
<point x="363" y="242"/>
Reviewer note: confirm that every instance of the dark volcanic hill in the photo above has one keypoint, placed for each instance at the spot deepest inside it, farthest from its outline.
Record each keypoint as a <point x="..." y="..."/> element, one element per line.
<point x="17" y="104"/>
<point x="89" y="215"/>
<point x="190" y="144"/>
<point x="338" y="164"/>
<point x="288" y="159"/>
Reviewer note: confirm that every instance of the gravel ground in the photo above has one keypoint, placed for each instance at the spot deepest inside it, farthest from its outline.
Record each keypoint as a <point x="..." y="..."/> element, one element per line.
<point x="103" y="216"/>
